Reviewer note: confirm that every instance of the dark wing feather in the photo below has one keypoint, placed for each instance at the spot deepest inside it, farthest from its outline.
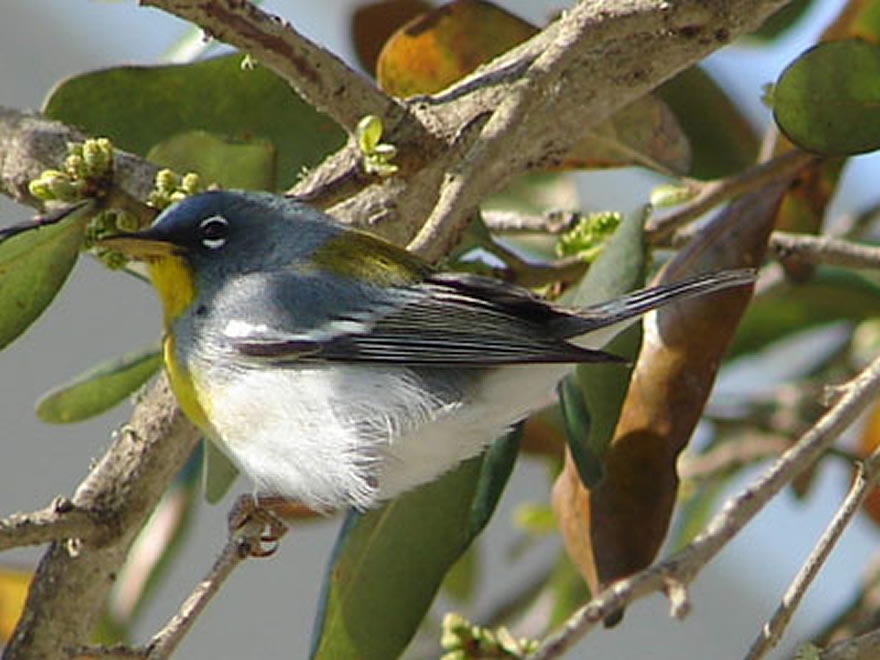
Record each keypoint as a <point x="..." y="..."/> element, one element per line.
<point x="449" y="319"/>
<point x="454" y="319"/>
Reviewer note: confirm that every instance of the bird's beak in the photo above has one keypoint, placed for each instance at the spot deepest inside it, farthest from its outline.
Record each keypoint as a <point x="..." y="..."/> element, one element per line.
<point x="145" y="245"/>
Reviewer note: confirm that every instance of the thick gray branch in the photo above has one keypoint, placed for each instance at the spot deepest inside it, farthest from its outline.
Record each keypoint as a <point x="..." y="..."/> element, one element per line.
<point x="75" y="576"/>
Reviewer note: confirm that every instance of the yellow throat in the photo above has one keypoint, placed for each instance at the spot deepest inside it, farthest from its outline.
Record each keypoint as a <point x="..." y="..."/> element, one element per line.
<point x="173" y="280"/>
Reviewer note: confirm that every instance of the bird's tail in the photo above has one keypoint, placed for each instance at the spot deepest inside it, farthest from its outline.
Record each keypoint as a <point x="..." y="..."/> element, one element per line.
<point x="594" y="326"/>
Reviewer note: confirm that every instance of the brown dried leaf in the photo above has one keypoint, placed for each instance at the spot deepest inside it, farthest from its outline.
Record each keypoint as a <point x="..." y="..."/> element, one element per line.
<point x="617" y="528"/>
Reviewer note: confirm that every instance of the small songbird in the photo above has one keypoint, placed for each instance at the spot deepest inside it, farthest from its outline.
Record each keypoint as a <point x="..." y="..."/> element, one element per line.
<point x="340" y="370"/>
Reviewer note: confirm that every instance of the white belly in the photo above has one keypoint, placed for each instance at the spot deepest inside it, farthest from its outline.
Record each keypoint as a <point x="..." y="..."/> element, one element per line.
<point x="354" y="435"/>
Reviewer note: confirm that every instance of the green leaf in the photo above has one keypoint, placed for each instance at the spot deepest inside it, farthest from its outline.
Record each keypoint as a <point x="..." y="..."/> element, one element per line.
<point x="138" y="107"/>
<point x="832" y="294"/>
<point x="219" y="473"/>
<point x="722" y="140"/>
<point x="576" y="422"/>
<point x="826" y="101"/>
<point x="230" y="163"/>
<point x="34" y="264"/>
<point x="590" y="423"/>
<point x="783" y="20"/>
<point x="461" y="578"/>
<point x="389" y="563"/>
<point x="99" y="388"/>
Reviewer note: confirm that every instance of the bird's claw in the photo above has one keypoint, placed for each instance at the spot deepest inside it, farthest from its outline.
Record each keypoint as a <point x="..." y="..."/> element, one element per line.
<point x="258" y="528"/>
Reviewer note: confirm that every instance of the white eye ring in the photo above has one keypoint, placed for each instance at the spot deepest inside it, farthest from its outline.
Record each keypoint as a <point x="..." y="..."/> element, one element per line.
<point x="213" y="231"/>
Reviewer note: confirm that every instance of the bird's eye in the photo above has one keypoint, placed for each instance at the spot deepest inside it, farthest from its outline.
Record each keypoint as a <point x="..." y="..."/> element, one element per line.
<point x="213" y="232"/>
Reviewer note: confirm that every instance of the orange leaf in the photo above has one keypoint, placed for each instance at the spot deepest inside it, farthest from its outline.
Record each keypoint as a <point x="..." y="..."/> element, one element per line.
<point x="439" y="47"/>
<point x="14" y="585"/>
<point x="869" y="440"/>
<point x="373" y="22"/>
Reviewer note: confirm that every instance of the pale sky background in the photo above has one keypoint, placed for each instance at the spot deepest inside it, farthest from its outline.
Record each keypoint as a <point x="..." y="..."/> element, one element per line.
<point x="266" y="609"/>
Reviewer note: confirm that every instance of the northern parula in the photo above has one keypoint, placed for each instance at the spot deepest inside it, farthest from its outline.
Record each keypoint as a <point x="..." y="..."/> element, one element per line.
<point x="340" y="370"/>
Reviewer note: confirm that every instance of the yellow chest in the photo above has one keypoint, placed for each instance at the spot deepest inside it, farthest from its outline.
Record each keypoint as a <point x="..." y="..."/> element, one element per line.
<point x="184" y="387"/>
<point x="174" y="283"/>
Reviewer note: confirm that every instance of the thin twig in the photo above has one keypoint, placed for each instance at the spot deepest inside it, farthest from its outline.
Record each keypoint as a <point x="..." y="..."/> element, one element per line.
<point x="60" y="520"/>
<point x="863" y="647"/>
<point x="751" y="448"/>
<point x="714" y="192"/>
<point x="772" y="631"/>
<point x="166" y="640"/>
<point x="684" y="565"/>
<point x="318" y="75"/>
<point x="72" y="580"/>
<point x="513" y="222"/>
<point x="825" y="250"/>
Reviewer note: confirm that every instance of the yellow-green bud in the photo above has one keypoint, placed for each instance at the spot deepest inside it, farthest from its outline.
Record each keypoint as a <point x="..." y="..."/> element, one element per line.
<point x="98" y="156"/>
<point x="125" y="221"/>
<point x="368" y="133"/>
<point x="75" y="149"/>
<point x="385" y="151"/>
<point x="191" y="183"/>
<point x="457" y="654"/>
<point x="671" y="195"/>
<point x="74" y="165"/>
<point x="456" y="622"/>
<point x="60" y="186"/>
<point x="111" y="258"/>
<point x="166" y="180"/>
<point x="451" y="640"/>
<point x="40" y="189"/>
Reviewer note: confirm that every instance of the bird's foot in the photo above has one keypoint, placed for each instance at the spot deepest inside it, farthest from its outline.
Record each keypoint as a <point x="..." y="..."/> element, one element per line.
<point x="257" y="525"/>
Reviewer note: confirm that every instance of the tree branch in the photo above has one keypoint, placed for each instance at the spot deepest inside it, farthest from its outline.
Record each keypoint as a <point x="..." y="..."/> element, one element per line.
<point x="825" y="250"/>
<point x="30" y="144"/>
<point x="712" y="193"/>
<point x="681" y="568"/>
<point x="772" y="631"/>
<point x="73" y="579"/>
<point x="60" y="520"/>
<point x="320" y="77"/>
<point x="862" y="647"/>
<point x="594" y="60"/>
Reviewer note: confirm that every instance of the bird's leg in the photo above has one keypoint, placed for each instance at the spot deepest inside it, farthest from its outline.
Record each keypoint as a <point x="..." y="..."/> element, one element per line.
<point x="251" y="512"/>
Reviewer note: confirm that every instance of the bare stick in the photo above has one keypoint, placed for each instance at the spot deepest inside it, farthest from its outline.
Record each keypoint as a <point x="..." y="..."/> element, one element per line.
<point x="513" y="222"/>
<point x="862" y="647"/>
<point x="318" y="75"/>
<point x="772" y="631"/>
<point x="683" y="566"/>
<point x="825" y="250"/>
<point x="60" y="520"/>
<point x="713" y="193"/>
<point x="166" y="640"/>
<point x="751" y="448"/>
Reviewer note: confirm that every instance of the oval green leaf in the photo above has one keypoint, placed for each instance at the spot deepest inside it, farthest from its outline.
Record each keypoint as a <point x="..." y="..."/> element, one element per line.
<point x="218" y="472"/>
<point x="826" y="101"/>
<point x="389" y="563"/>
<point x="138" y="107"/>
<point x="34" y="264"/>
<point x="590" y="419"/>
<point x="100" y="388"/>
<point x="722" y="140"/>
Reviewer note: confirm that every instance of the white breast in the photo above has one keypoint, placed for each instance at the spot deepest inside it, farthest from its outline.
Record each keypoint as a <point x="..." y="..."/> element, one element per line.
<point x="354" y="435"/>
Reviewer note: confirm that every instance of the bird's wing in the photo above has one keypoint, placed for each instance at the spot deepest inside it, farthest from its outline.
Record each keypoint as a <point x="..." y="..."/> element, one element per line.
<point x="451" y="319"/>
